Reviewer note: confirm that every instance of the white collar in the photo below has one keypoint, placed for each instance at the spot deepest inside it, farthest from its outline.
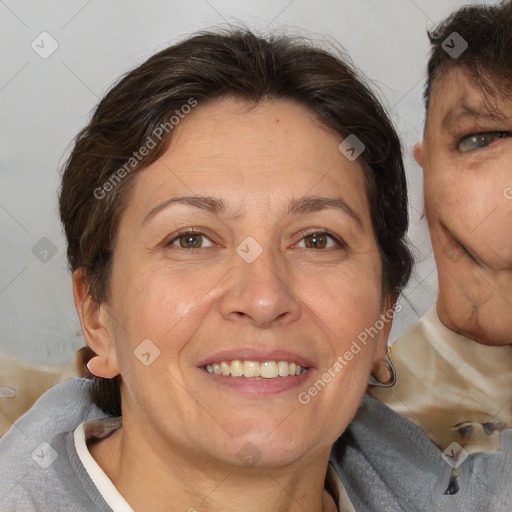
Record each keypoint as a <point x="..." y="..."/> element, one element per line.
<point x="103" y="483"/>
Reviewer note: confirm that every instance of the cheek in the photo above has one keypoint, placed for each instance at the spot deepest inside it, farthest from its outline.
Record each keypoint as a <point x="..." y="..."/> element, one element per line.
<point x="468" y="189"/>
<point x="344" y="301"/>
<point x="158" y="305"/>
<point x="471" y="202"/>
<point x="443" y="193"/>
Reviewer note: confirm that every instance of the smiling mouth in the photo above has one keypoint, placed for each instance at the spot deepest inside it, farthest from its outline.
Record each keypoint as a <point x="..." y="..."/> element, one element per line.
<point x="255" y="370"/>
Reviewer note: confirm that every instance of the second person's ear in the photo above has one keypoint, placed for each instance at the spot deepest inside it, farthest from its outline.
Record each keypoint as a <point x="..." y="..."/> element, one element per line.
<point x="417" y="152"/>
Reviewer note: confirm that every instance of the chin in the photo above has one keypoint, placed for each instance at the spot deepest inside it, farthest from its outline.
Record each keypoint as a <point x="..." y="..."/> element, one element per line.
<point x="494" y="335"/>
<point x="484" y="324"/>
<point x="256" y="452"/>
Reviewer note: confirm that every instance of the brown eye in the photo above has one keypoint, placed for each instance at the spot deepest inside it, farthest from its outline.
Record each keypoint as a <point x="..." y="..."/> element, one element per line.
<point x="320" y="240"/>
<point x="316" y="241"/>
<point x="190" y="240"/>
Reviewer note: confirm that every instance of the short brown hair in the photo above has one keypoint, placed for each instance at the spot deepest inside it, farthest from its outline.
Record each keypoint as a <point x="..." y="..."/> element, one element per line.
<point x="487" y="30"/>
<point x="204" y="67"/>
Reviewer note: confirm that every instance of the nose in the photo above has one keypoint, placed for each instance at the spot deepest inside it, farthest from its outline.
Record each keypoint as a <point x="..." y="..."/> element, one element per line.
<point x="259" y="293"/>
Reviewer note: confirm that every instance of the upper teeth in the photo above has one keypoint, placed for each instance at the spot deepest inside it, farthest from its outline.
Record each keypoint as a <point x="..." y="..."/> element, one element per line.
<point x="267" y="369"/>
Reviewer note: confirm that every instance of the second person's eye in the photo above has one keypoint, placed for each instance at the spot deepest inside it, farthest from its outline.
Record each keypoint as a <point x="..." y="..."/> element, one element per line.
<point x="479" y="140"/>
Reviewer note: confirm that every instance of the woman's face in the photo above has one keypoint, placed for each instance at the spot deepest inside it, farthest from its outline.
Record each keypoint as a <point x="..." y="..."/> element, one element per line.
<point x="248" y="240"/>
<point x="467" y="161"/>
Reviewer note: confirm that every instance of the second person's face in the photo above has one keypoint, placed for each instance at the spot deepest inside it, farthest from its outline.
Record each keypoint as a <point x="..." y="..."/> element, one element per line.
<point x="466" y="157"/>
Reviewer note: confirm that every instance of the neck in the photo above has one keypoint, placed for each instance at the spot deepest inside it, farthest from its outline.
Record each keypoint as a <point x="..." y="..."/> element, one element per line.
<point x="151" y="477"/>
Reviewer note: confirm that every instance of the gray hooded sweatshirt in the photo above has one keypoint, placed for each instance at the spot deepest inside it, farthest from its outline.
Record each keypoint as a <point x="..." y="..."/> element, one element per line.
<point x="385" y="462"/>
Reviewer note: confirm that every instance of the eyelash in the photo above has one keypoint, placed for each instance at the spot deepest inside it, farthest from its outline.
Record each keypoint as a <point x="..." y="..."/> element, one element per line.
<point x="193" y="231"/>
<point x="479" y="136"/>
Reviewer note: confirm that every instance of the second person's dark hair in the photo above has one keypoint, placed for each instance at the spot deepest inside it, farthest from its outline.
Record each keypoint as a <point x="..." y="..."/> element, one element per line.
<point x="487" y="31"/>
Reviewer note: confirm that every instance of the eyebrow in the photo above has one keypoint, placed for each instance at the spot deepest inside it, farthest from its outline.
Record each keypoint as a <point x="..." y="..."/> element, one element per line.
<point x="309" y="204"/>
<point x="304" y="205"/>
<point x="464" y="110"/>
<point x="209" y="204"/>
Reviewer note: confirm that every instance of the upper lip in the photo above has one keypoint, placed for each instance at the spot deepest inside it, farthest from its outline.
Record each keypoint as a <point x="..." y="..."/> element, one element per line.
<point x="257" y="354"/>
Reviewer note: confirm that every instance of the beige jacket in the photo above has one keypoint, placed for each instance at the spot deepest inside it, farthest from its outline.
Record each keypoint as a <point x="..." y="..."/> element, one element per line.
<point x="452" y="387"/>
<point x="21" y="384"/>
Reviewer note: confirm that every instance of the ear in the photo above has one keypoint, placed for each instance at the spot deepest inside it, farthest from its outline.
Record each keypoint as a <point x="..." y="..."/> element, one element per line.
<point x="97" y="329"/>
<point x="418" y="153"/>
<point x="379" y="368"/>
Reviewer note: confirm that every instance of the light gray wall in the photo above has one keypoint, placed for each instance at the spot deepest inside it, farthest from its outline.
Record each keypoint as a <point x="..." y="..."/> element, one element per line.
<point x="45" y="101"/>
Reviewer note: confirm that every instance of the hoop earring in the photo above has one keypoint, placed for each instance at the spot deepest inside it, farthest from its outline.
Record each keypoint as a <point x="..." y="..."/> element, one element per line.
<point x="392" y="372"/>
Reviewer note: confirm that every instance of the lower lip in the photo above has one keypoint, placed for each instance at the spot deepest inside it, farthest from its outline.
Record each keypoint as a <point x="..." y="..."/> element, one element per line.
<point x="262" y="386"/>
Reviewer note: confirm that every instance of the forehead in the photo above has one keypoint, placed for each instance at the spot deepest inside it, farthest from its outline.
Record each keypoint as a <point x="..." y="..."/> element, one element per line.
<point x="457" y="97"/>
<point x="277" y="145"/>
<point x="268" y="127"/>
